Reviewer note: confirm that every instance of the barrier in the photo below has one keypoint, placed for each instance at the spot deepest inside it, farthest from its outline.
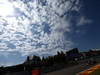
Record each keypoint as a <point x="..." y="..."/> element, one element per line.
<point x="33" y="72"/>
<point x="36" y="72"/>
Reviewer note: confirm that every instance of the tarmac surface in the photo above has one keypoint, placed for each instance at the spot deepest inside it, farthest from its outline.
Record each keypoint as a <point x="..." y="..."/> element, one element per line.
<point x="74" y="70"/>
<point x="71" y="70"/>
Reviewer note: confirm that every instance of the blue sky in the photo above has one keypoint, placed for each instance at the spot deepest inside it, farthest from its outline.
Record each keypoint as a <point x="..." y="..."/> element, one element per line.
<point x="43" y="27"/>
<point x="90" y="39"/>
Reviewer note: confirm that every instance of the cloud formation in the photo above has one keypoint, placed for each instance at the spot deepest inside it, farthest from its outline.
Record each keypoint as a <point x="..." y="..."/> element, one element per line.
<point x="37" y="26"/>
<point x="83" y="21"/>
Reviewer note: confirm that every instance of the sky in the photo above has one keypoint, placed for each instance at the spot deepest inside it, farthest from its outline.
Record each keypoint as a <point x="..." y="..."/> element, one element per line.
<point x="43" y="27"/>
<point x="90" y="38"/>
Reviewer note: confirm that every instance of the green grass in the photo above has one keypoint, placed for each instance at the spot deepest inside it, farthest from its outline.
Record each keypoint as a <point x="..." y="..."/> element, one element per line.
<point x="96" y="72"/>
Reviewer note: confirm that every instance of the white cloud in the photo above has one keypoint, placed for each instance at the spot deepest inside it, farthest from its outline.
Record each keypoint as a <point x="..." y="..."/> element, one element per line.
<point x="83" y="21"/>
<point x="28" y="19"/>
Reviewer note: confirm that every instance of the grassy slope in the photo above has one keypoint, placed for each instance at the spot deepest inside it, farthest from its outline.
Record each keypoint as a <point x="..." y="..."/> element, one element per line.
<point x="97" y="72"/>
